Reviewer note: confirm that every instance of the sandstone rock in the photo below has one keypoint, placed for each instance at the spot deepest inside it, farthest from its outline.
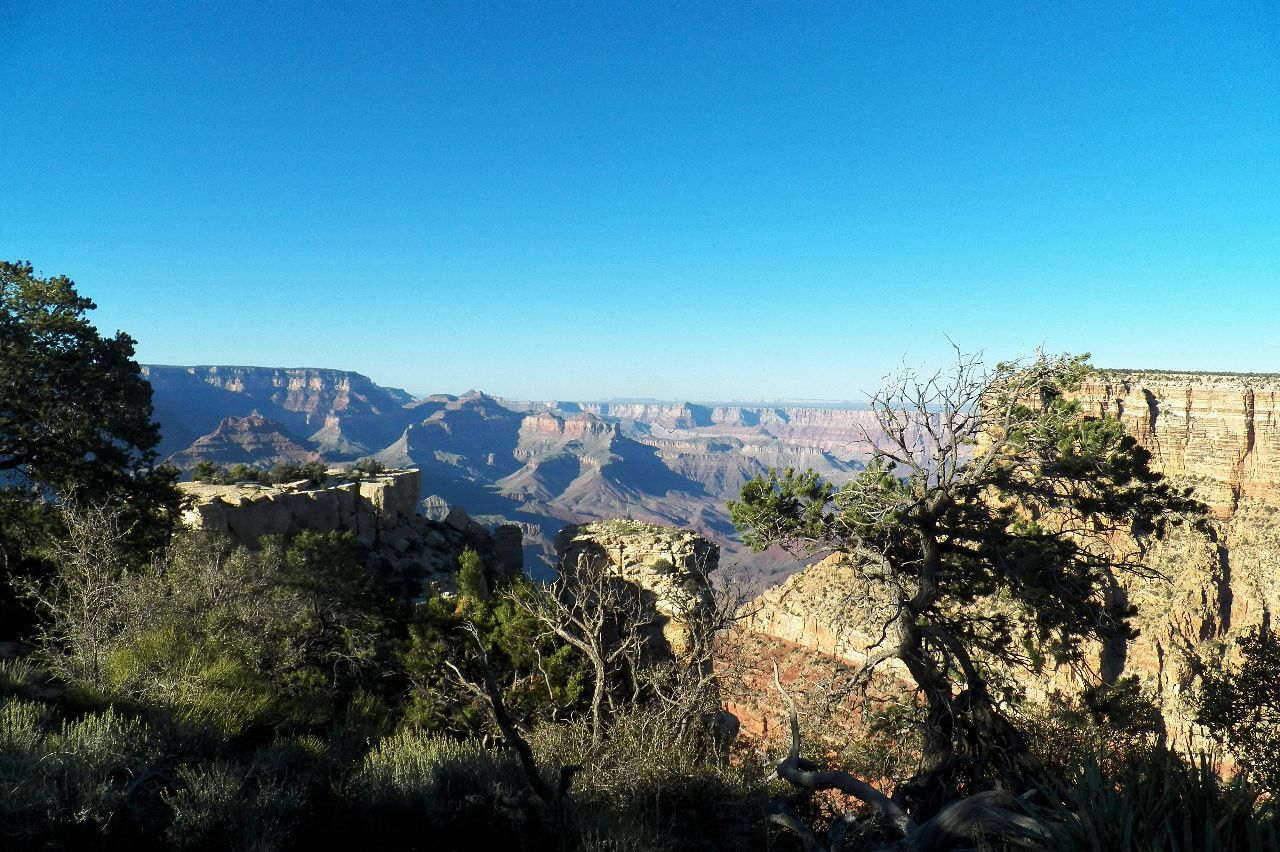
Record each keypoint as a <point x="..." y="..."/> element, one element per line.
<point x="1219" y="432"/>
<point x="831" y="607"/>
<point x="434" y="508"/>
<point x="672" y="564"/>
<point x="247" y="512"/>
<point x="1219" y="435"/>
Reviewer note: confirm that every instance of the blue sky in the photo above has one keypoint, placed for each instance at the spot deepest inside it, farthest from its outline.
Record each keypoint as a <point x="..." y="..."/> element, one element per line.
<point x="676" y="200"/>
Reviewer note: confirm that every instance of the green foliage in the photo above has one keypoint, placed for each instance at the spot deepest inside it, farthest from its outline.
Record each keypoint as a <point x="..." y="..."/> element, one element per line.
<point x="229" y="638"/>
<point x="542" y="678"/>
<point x="70" y="779"/>
<point x="1160" y="804"/>
<point x="245" y="473"/>
<point x="367" y="466"/>
<point x="420" y="775"/>
<point x="75" y="419"/>
<point x="1241" y="707"/>
<point x="75" y="412"/>
<point x="313" y="472"/>
<point x="472" y="580"/>
<point x="649" y="786"/>
<point x="206" y="471"/>
<point x="786" y="509"/>
<point x="222" y="805"/>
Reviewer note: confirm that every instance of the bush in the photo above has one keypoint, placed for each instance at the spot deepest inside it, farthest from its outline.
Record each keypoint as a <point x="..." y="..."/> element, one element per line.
<point x="416" y="785"/>
<point x="313" y="472"/>
<point x="223" y="805"/>
<point x="1241" y="707"/>
<point x="367" y="466"/>
<point x="207" y="471"/>
<point x="244" y="473"/>
<point x="1164" y="803"/>
<point x="649" y="785"/>
<point x="67" y="781"/>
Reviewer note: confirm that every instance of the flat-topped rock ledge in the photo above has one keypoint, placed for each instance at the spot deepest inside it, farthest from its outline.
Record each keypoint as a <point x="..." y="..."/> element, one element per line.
<point x="374" y="507"/>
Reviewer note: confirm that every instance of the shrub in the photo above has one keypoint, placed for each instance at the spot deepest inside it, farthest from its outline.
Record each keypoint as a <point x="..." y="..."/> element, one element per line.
<point x="244" y="473"/>
<point x="69" y="780"/>
<point x="207" y="471"/>
<point x="1164" y="803"/>
<point x="1241" y="707"/>
<point x="415" y="784"/>
<point x="367" y="466"/>
<point x="223" y="805"/>
<point x="648" y="785"/>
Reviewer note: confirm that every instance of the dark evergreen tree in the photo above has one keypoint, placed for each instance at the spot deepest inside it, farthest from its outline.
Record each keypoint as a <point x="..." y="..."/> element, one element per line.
<point x="75" y="421"/>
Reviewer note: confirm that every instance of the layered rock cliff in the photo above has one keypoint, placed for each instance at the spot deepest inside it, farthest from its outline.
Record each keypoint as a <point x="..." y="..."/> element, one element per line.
<point x="343" y="413"/>
<point x="1217" y="432"/>
<point x="373" y="508"/>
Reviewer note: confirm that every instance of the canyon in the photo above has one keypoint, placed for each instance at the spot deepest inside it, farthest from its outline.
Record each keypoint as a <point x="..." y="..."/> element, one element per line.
<point x="539" y="465"/>
<point x="545" y="466"/>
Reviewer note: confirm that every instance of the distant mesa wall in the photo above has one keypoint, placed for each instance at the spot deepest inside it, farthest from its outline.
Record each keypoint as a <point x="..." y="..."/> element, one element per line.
<point x="373" y="508"/>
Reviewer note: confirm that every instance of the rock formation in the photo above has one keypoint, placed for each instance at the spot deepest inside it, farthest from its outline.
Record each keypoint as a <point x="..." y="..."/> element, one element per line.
<point x="252" y="440"/>
<point x="671" y="564"/>
<point x="373" y="508"/>
<point x="379" y="509"/>
<point x="344" y="413"/>
<point x="831" y="607"/>
<point x="1219" y="433"/>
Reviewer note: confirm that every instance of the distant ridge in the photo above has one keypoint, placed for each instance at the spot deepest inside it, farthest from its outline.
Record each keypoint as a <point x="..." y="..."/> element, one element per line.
<point x="538" y="464"/>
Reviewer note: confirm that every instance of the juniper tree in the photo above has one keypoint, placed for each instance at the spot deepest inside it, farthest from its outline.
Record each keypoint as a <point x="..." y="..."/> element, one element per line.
<point x="999" y="516"/>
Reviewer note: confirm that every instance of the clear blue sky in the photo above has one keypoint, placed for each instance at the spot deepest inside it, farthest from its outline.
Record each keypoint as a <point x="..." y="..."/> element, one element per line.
<point x="678" y="200"/>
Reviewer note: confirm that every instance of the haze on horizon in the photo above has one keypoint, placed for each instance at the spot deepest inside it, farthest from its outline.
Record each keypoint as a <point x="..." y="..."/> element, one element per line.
<point x="703" y="202"/>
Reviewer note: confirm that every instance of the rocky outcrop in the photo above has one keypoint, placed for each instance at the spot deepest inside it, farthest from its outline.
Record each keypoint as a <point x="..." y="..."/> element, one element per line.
<point x="671" y="564"/>
<point x="831" y="607"/>
<point x="1219" y="435"/>
<point x="380" y="510"/>
<point x="373" y="508"/>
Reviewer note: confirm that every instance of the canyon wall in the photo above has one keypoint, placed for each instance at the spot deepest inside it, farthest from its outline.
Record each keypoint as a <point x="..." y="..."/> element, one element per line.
<point x="1218" y="433"/>
<point x="339" y="412"/>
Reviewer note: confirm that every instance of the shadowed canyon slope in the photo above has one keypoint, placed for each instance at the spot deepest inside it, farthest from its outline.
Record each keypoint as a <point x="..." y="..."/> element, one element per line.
<point x="541" y="465"/>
